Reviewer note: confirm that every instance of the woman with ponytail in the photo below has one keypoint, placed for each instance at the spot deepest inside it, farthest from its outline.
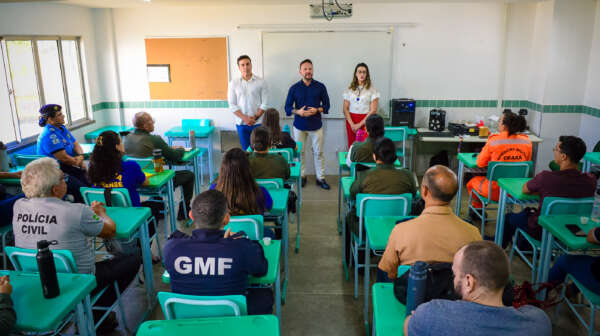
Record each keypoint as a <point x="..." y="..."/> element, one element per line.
<point x="510" y="145"/>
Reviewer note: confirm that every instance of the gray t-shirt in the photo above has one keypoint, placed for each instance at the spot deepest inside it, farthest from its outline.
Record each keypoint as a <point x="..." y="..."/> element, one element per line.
<point x="53" y="219"/>
<point x="444" y="317"/>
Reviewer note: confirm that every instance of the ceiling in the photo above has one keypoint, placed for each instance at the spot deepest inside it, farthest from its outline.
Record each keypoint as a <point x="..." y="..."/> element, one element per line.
<point x="142" y="3"/>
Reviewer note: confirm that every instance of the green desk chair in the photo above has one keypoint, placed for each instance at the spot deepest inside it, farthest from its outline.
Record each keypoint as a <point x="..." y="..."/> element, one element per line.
<point x="551" y="206"/>
<point x="354" y="171"/>
<point x="497" y="170"/>
<point x="253" y="225"/>
<point x="4" y="232"/>
<point x="374" y="205"/>
<point x="119" y="197"/>
<point x="25" y="260"/>
<point x="274" y="183"/>
<point x="181" y="306"/>
<point x="593" y="302"/>
<point x="22" y="159"/>
<point x="287" y="153"/>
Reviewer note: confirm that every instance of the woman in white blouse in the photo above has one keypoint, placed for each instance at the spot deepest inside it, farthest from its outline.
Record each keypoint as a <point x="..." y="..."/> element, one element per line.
<point x="360" y="100"/>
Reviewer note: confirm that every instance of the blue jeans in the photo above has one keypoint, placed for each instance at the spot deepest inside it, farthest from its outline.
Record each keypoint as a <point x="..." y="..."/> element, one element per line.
<point x="244" y="132"/>
<point x="579" y="267"/>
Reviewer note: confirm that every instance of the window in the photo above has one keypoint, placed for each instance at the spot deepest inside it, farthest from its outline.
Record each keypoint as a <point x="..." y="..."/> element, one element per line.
<point x="39" y="70"/>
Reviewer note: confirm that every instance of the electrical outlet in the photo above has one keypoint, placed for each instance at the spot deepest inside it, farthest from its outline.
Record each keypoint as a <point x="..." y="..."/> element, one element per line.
<point x="332" y="9"/>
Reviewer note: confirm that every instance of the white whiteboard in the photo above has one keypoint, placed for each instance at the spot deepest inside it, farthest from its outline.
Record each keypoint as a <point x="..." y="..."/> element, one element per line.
<point x="334" y="56"/>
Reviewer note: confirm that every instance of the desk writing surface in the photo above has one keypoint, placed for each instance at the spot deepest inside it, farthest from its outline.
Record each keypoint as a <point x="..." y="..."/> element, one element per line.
<point x="180" y="132"/>
<point x="36" y="313"/>
<point x="128" y="219"/>
<point x="88" y="148"/>
<point x="294" y="170"/>
<point x="157" y="180"/>
<point x="469" y="159"/>
<point x="94" y="134"/>
<point x="248" y="325"/>
<point x="342" y="159"/>
<point x="346" y="184"/>
<point x="514" y="187"/>
<point x="593" y="157"/>
<point x="388" y="312"/>
<point x="556" y="225"/>
<point x="189" y="155"/>
<point x="280" y="197"/>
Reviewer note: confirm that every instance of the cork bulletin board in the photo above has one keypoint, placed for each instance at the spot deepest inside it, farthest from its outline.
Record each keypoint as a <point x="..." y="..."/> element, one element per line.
<point x="197" y="68"/>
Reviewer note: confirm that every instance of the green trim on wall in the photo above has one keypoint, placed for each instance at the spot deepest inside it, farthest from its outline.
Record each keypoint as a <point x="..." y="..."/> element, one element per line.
<point x="421" y="103"/>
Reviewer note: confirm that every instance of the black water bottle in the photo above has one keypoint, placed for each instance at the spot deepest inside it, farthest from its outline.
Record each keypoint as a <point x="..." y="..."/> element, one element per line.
<point x="45" y="261"/>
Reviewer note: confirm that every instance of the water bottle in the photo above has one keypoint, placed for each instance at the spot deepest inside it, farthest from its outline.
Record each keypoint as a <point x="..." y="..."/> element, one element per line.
<point x="158" y="161"/>
<point x="47" y="269"/>
<point x="417" y="283"/>
<point x="192" y="139"/>
<point x="4" y="160"/>
<point x="596" y="209"/>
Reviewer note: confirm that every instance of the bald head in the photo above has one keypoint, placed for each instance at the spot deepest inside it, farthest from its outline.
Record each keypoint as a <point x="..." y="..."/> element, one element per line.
<point x="143" y="120"/>
<point x="441" y="182"/>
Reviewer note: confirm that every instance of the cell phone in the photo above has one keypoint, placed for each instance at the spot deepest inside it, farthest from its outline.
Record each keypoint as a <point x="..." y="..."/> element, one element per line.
<point x="576" y="230"/>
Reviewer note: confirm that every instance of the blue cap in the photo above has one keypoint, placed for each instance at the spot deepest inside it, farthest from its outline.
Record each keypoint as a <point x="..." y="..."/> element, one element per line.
<point x="48" y="108"/>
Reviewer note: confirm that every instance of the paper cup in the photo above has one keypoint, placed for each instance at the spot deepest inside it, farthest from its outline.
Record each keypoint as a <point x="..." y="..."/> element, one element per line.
<point x="267" y="241"/>
<point x="584" y="220"/>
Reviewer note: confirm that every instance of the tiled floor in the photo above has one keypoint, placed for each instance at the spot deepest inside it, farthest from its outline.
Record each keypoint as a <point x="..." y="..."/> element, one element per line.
<point x="319" y="300"/>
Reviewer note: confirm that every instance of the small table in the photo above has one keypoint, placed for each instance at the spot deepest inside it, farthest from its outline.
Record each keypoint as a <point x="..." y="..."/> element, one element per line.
<point x="555" y="227"/>
<point x="38" y="314"/>
<point x="388" y="312"/>
<point x="203" y="133"/>
<point x="467" y="163"/>
<point x="377" y="230"/>
<point x="91" y="136"/>
<point x="279" y="214"/>
<point x="590" y="159"/>
<point x="511" y="190"/>
<point x="160" y="184"/>
<point x="263" y="325"/>
<point x="131" y="221"/>
<point x="273" y="256"/>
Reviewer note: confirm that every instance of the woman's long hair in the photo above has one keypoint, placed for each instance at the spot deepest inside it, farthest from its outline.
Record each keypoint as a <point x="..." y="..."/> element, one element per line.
<point x="271" y="121"/>
<point x="105" y="161"/>
<point x="238" y="185"/>
<point x="354" y="85"/>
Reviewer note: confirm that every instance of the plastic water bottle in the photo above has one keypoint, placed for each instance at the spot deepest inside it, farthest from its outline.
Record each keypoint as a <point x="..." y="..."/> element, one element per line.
<point x="417" y="283"/>
<point x="47" y="269"/>
<point x="596" y="209"/>
<point x="192" y="139"/>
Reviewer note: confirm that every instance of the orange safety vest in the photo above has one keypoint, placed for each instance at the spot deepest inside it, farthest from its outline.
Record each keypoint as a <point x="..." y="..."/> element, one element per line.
<point x="506" y="148"/>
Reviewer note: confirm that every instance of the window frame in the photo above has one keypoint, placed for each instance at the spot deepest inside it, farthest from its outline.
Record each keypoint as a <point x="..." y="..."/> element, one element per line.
<point x="69" y="122"/>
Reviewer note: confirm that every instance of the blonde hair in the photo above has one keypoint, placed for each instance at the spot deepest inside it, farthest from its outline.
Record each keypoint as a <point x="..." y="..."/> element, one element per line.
<point x="39" y="177"/>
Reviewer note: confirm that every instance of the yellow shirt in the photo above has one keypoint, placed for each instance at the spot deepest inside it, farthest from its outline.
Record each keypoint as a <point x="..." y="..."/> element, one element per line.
<point x="435" y="236"/>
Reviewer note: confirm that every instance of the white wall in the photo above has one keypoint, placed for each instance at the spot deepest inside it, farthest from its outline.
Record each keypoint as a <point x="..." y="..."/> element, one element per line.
<point x="55" y="19"/>
<point x="590" y="126"/>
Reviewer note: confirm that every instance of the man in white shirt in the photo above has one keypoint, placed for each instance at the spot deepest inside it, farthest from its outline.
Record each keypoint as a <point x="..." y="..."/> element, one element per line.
<point x="247" y="97"/>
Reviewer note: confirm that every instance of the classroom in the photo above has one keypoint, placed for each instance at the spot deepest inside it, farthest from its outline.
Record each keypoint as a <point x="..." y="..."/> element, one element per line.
<point x="403" y="142"/>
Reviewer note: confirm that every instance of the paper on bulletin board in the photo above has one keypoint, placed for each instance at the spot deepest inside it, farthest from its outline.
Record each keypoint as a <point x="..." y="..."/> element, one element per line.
<point x="159" y="73"/>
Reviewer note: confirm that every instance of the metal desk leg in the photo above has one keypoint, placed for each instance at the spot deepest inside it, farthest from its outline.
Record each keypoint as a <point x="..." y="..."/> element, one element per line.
<point x="197" y="174"/>
<point x="147" y="262"/>
<point x="544" y="262"/>
<point x="85" y="321"/>
<point x="498" y="237"/>
<point x="278" y="295"/>
<point x="461" y="168"/>
<point x="340" y="200"/>
<point x="344" y="247"/>
<point x="172" y="211"/>
<point x="285" y="234"/>
<point x="366" y="284"/>
<point x="210" y="156"/>
<point x="298" y="186"/>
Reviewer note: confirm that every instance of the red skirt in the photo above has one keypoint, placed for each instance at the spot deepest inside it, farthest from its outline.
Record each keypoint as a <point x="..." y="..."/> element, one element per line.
<point x="356" y="118"/>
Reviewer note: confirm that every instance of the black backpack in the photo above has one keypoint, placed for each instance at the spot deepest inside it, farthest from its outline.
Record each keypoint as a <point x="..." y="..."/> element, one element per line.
<point x="440" y="283"/>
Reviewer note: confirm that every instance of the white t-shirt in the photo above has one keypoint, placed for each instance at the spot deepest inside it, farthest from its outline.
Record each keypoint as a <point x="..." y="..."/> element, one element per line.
<point x="50" y="218"/>
<point x="360" y="99"/>
<point x="247" y="96"/>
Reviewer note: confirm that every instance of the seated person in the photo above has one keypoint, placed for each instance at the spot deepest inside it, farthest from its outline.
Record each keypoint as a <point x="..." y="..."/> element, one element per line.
<point x="481" y="271"/>
<point x="508" y="146"/>
<point x="584" y="268"/>
<point x="363" y="151"/>
<point x="216" y="262"/>
<point x="8" y="317"/>
<point x="383" y="179"/>
<point x="7" y="200"/>
<point x="566" y="182"/>
<point x="262" y="164"/>
<point x="244" y="196"/>
<point x="140" y="143"/>
<point x="279" y="139"/>
<point x="57" y="142"/>
<point x="42" y="215"/>
<point x="436" y="234"/>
